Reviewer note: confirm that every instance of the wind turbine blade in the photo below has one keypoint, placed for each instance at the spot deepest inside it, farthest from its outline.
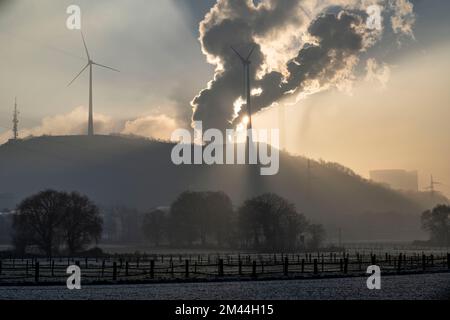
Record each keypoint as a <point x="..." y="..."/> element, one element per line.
<point x="251" y="52"/>
<point x="85" y="46"/>
<point x="238" y="54"/>
<point x="100" y="65"/>
<point x="78" y="75"/>
<point x="305" y="12"/>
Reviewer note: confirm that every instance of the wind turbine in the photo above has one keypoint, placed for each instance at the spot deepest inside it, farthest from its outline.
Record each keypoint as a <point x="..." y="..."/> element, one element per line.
<point x="89" y="65"/>
<point x="246" y="63"/>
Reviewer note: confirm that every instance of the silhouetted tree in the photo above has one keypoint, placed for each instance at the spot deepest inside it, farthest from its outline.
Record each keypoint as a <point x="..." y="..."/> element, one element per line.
<point x="316" y="234"/>
<point x="38" y="220"/>
<point x="81" y="223"/>
<point x="271" y="222"/>
<point x="50" y="219"/>
<point x="200" y="216"/>
<point x="436" y="222"/>
<point x="186" y="224"/>
<point x="154" y="226"/>
<point x="218" y="211"/>
<point x="5" y="226"/>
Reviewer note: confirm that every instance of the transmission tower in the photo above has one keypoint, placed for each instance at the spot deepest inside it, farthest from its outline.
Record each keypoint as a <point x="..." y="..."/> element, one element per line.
<point x="432" y="186"/>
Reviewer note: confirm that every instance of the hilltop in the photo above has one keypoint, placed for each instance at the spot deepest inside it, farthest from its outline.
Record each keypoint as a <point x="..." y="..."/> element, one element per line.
<point x="139" y="173"/>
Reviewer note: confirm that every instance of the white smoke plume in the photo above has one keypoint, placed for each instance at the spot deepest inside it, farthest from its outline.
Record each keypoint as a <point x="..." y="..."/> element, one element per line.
<point x="300" y="47"/>
<point x="152" y="126"/>
<point x="75" y="123"/>
<point x="71" y="123"/>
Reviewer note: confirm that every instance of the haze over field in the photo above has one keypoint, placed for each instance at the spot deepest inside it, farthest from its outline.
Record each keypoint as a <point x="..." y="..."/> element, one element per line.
<point x="138" y="173"/>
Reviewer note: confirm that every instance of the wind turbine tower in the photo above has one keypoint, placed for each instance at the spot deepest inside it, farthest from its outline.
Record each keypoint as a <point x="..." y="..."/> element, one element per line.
<point x="247" y="86"/>
<point x="90" y="65"/>
<point x="15" y="121"/>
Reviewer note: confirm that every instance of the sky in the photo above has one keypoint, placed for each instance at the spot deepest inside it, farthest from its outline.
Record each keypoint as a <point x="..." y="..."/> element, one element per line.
<point x="391" y="114"/>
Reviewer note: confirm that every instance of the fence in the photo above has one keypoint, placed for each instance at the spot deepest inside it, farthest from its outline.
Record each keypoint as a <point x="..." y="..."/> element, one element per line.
<point x="181" y="267"/>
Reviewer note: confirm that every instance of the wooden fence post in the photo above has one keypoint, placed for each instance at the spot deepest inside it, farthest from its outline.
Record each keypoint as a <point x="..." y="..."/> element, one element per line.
<point x="424" y="262"/>
<point x="36" y="272"/>
<point x="286" y="266"/>
<point x="103" y="268"/>
<point x="1" y="266"/>
<point x="126" y="268"/>
<point x="114" y="271"/>
<point x="303" y="265"/>
<point x="86" y="263"/>
<point x="152" y="269"/>
<point x="432" y="260"/>
<point x="187" y="268"/>
<point x="341" y="266"/>
<point x="399" y="265"/>
<point x="53" y="268"/>
<point x="26" y="268"/>
<point x="316" y="269"/>
<point x="240" y="267"/>
<point x="254" y="269"/>
<point x="220" y="267"/>
<point x="346" y="265"/>
<point x="448" y="260"/>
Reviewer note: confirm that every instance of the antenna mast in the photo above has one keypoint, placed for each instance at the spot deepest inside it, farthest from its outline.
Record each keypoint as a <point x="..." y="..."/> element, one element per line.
<point x="15" y="121"/>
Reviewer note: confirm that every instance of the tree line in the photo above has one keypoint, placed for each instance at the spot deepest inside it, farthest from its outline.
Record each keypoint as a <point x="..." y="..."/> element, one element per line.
<point x="266" y="222"/>
<point x="58" y="222"/>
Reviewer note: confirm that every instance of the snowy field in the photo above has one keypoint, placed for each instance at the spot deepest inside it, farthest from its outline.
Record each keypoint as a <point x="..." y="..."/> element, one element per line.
<point x="415" y="287"/>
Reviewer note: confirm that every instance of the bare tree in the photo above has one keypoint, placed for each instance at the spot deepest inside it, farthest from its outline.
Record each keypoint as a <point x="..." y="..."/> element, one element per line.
<point x="50" y="219"/>
<point x="154" y="226"/>
<point x="437" y="223"/>
<point x="81" y="224"/>
<point x="270" y="222"/>
<point x="316" y="234"/>
<point x="38" y="220"/>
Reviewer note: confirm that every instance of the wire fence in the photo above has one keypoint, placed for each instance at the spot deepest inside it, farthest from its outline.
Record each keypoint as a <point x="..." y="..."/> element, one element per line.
<point x="184" y="267"/>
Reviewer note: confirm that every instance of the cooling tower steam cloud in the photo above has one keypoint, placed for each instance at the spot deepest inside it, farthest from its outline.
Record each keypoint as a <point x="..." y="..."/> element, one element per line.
<point x="300" y="47"/>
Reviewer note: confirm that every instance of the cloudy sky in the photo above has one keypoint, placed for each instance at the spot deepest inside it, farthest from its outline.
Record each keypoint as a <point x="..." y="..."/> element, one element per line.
<point x="391" y="111"/>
